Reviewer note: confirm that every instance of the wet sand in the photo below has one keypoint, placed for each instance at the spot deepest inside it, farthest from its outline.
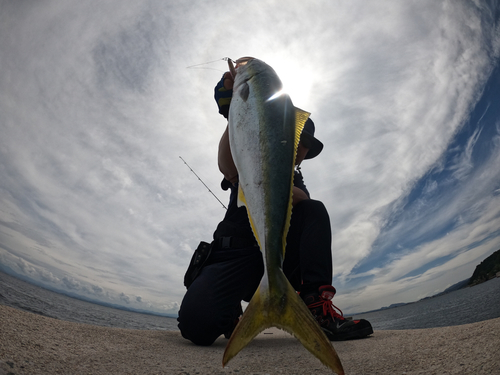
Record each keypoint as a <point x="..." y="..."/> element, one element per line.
<point x="33" y="344"/>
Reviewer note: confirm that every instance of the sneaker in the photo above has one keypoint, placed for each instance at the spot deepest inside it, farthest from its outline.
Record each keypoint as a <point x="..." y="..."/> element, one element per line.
<point x="336" y="327"/>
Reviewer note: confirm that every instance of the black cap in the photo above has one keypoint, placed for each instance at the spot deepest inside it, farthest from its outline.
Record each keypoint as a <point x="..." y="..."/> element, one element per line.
<point x="308" y="140"/>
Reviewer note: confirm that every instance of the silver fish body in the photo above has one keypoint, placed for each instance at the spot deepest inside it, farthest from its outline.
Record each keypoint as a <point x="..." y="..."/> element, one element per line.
<point x="263" y="154"/>
<point x="264" y="132"/>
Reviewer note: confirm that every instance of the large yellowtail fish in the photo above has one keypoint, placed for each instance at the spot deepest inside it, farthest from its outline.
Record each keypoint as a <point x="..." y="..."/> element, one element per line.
<point x="264" y="132"/>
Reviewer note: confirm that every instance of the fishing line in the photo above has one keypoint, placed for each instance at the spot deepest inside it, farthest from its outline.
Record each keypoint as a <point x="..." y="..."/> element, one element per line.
<point x="211" y="192"/>
<point x="210" y="62"/>
<point x="191" y="169"/>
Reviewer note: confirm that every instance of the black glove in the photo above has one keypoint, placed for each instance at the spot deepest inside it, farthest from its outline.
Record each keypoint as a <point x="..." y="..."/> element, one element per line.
<point x="223" y="97"/>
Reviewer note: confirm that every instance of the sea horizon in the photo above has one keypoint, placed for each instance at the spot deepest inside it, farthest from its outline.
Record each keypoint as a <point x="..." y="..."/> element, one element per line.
<point x="448" y="309"/>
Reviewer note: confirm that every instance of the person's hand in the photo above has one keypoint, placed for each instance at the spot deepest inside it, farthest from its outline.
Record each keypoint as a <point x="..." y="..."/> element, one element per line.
<point x="223" y="93"/>
<point x="298" y="195"/>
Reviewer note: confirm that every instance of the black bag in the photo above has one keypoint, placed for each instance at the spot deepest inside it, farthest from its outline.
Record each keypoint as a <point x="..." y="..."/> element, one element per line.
<point x="198" y="260"/>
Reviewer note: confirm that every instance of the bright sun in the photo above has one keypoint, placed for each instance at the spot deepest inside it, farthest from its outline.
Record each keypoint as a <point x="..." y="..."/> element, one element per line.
<point x="297" y="81"/>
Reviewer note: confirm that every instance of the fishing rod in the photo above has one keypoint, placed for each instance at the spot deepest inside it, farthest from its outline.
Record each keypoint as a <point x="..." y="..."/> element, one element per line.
<point x="211" y="192"/>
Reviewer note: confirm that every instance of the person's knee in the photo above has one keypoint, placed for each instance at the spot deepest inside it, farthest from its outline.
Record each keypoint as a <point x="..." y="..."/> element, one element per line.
<point x="314" y="204"/>
<point x="311" y="207"/>
<point x="197" y="327"/>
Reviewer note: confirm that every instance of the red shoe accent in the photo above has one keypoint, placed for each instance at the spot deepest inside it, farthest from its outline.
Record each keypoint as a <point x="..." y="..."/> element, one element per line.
<point x="327" y="292"/>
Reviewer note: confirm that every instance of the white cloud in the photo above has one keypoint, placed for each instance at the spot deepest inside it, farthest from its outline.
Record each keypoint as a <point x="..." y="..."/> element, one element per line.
<point x="97" y="106"/>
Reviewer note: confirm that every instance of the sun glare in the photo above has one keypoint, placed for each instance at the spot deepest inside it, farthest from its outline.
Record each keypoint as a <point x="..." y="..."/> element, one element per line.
<point x="297" y="81"/>
<point x="279" y="93"/>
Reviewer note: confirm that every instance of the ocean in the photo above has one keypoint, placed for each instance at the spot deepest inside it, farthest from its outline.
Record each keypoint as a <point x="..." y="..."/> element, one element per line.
<point x="28" y="297"/>
<point x="463" y="306"/>
<point x="468" y="305"/>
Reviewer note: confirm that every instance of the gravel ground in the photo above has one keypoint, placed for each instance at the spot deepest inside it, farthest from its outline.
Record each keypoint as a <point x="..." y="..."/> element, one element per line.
<point x="33" y="344"/>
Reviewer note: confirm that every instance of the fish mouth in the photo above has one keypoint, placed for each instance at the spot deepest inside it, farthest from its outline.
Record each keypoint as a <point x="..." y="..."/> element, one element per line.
<point x="243" y="60"/>
<point x="240" y="62"/>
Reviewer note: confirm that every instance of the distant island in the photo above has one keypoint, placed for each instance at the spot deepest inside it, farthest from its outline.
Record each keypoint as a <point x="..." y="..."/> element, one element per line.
<point x="486" y="270"/>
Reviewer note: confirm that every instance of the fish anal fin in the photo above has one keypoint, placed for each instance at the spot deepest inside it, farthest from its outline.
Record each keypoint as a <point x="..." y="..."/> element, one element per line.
<point x="285" y="311"/>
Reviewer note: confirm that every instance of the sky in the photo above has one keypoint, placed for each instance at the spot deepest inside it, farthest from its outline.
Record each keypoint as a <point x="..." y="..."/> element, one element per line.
<point x="99" y="100"/>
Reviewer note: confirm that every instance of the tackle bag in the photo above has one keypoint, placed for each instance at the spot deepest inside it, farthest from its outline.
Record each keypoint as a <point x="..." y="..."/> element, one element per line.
<point x="198" y="260"/>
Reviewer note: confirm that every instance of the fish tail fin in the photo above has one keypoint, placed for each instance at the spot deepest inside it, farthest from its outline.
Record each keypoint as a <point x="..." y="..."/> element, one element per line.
<point x="288" y="312"/>
<point x="250" y="325"/>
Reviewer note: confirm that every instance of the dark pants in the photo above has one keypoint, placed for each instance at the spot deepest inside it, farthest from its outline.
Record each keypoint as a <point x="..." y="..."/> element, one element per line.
<point x="213" y="302"/>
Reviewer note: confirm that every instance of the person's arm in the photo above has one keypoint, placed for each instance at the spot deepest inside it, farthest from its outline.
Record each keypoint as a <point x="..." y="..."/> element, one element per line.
<point x="223" y="95"/>
<point x="225" y="159"/>
<point x="299" y="192"/>
<point x="298" y="195"/>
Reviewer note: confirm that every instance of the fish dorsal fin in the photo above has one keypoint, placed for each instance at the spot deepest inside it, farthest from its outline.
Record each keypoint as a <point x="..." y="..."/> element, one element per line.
<point x="301" y="117"/>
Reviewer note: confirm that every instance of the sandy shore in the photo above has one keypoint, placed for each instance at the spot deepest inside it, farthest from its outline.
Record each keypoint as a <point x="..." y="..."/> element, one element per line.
<point x="33" y="344"/>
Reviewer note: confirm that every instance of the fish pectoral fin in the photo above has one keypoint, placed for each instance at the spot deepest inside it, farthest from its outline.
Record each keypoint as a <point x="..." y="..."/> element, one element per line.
<point x="288" y="312"/>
